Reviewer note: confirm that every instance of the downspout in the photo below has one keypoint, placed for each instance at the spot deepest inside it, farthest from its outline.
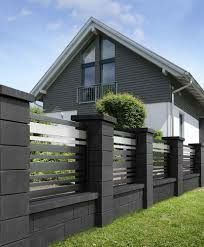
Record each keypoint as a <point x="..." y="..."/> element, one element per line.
<point x="172" y="104"/>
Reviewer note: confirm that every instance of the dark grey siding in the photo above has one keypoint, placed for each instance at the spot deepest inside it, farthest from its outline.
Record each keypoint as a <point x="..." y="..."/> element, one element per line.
<point x="185" y="101"/>
<point x="62" y="95"/>
<point x="136" y="75"/>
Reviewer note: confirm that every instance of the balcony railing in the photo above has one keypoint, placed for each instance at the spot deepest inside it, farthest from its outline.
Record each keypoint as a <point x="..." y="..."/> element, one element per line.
<point x="95" y="92"/>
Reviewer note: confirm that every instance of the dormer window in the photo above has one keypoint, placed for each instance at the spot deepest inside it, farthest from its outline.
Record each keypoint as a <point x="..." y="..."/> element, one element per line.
<point x="107" y="62"/>
<point x="88" y="65"/>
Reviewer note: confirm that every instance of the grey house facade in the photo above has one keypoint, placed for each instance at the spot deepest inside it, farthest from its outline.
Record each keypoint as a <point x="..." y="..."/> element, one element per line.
<point x="100" y="59"/>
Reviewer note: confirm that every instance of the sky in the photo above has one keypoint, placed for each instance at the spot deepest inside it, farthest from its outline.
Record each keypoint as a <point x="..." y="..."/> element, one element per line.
<point x="34" y="32"/>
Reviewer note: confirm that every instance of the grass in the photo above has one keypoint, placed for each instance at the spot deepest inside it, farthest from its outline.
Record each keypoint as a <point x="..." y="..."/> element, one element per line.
<point x="177" y="222"/>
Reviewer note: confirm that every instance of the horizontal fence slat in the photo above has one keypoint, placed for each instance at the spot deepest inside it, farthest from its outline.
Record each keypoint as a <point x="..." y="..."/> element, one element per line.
<point x="124" y="147"/>
<point x="123" y="134"/>
<point x="61" y="140"/>
<point x="57" y="157"/>
<point x="56" y="148"/>
<point x="57" y="130"/>
<point x="124" y="141"/>
<point x="54" y="166"/>
<point x="54" y="176"/>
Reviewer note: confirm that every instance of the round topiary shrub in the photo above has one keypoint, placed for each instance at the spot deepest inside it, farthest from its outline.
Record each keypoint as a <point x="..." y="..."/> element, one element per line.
<point x="129" y="111"/>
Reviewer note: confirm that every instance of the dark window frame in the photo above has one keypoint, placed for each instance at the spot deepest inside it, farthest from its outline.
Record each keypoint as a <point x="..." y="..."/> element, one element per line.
<point x="107" y="60"/>
<point x="87" y="65"/>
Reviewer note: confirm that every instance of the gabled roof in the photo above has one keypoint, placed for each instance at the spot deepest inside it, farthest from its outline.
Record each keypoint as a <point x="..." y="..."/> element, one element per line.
<point x="86" y="33"/>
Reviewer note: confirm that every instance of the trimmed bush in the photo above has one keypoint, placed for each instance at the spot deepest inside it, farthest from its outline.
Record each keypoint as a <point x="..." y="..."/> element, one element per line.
<point x="158" y="134"/>
<point x="129" y="111"/>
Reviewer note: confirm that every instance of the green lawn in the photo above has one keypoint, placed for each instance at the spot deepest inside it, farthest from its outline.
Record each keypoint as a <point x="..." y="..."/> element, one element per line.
<point x="173" y="223"/>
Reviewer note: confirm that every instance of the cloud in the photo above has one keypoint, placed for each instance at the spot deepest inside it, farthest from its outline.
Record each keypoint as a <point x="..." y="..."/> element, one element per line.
<point x="119" y="15"/>
<point x="138" y="35"/>
<point x="25" y="12"/>
<point x="54" y="26"/>
<point x="43" y="2"/>
<point x="22" y="12"/>
<point x="11" y="18"/>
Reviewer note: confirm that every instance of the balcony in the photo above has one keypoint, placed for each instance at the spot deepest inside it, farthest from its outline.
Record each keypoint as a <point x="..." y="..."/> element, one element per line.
<point x="95" y="92"/>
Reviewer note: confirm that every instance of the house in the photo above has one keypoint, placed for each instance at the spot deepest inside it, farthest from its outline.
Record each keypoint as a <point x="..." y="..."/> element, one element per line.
<point x="99" y="59"/>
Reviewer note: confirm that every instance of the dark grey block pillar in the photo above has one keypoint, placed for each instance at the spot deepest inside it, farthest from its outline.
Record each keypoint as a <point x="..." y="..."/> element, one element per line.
<point x="14" y="165"/>
<point x="199" y="161"/>
<point x="100" y="162"/>
<point x="176" y="162"/>
<point x="201" y="130"/>
<point x="144" y="163"/>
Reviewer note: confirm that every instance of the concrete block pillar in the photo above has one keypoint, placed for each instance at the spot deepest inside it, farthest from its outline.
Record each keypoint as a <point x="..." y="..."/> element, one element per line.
<point x="176" y="162"/>
<point x="14" y="165"/>
<point x="199" y="161"/>
<point x="100" y="162"/>
<point x="201" y="130"/>
<point x="144" y="162"/>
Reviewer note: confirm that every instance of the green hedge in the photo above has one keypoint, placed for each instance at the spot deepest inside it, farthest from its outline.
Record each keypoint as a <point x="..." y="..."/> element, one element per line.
<point x="129" y="111"/>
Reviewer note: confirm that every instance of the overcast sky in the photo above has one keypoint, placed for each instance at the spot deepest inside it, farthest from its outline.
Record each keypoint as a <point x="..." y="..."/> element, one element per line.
<point x="34" y="32"/>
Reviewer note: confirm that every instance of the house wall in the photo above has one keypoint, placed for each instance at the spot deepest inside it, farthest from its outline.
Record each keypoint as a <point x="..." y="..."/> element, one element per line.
<point x="159" y="118"/>
<point x="191" y="126"/>
<point x="134" y="74"/>
<point x="138" y="76"/>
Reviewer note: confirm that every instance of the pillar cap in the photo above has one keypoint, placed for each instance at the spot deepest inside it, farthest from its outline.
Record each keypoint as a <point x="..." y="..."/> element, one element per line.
<point x="142" y="130"/>
<point x="17" y="94"/>
<point x="178" y="138"/>
<point x="101" y="117"/>
<point x="197" y="144"/>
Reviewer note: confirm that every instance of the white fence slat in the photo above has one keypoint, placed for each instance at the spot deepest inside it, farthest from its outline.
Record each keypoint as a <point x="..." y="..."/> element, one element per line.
<point x="55" y="140"/>
<point x="123" y="147"/>
<point x="57" y="130"/>
<point x="161" y="146"/>
<point x="124" y="141"/>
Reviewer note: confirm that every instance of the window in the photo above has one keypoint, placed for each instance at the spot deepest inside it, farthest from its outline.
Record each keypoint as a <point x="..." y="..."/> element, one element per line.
<point x="88" y="66"/>
<point x="89" y="54"/>
<point x="89" y="76"/>
<point x="107" y="62"/>
<point x="181" y="125"/>
<point x="108" y="49"/>
<point x="108" y="73"/>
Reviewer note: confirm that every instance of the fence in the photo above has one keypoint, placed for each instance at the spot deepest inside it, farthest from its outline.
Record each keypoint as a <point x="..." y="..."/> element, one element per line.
<point x="58" y="155"/>
<point x="82" y="173"/>
<point x="124" y="158"/>
<point x="188" y="160"/>
<point x="160" y="156"/>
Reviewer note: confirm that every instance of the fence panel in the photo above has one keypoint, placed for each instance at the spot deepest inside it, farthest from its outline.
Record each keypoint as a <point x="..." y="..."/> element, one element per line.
<point x="124" y="160"/>
<point x="188" y="160"/>
<point x="58" y="156"/>
<point x="160" y="159"/>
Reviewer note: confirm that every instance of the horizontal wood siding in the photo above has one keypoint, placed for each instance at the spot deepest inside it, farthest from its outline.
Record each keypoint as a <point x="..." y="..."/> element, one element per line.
<point x="187" y="103"/>
<point x="136" y="75"/>
<point x="61" y="96"/>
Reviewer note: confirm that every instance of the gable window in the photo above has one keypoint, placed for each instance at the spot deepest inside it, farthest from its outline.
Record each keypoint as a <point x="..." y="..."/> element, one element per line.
<point x="107" y="62"/>
<point x="88" y="65"/>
